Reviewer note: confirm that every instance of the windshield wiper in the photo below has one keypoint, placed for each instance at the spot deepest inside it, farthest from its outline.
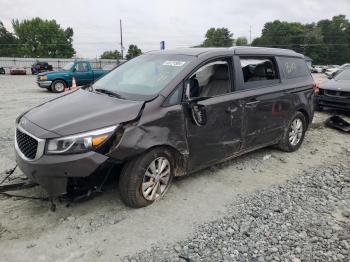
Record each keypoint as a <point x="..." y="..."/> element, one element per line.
<point x="108" y="92"/>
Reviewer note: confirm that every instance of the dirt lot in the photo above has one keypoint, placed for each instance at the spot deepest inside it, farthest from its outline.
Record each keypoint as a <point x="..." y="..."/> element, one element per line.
<point x="103" y="228"/>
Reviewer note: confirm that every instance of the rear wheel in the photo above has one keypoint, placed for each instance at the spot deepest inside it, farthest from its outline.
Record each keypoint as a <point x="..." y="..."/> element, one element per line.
<point x="294" y="133"/>
<point x="146" y="178"/>
<point x="58" y="86"/>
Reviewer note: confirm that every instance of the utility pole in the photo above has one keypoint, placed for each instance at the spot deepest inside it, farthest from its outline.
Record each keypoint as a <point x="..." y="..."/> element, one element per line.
<point x="121" y="39"/>
<point x="250" y="35"/>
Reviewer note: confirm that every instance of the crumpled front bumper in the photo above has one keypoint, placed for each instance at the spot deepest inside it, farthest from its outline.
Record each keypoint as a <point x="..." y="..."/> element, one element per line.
<point x="333" y="102"/>
<point x="52" y="171"/>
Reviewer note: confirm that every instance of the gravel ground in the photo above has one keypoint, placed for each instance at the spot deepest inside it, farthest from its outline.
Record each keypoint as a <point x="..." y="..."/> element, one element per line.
<point x="104" y="229"/>
<point x="307" y="219"/>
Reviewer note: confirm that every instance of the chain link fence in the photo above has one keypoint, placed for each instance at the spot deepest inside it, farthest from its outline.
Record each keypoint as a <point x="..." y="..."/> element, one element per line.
<point x="16" y="62"/>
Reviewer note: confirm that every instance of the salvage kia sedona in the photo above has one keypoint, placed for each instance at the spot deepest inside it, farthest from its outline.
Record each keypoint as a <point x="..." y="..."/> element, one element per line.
<point x="166" y="114"/>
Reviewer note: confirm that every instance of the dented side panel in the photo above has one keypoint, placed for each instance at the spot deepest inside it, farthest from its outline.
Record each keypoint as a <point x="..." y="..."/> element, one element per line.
<point x="158" y="126"/>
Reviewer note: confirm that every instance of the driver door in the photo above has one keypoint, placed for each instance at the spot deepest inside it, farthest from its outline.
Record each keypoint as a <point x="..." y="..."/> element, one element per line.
<point x="82" y="73"/>
<point x="220" y="137"/>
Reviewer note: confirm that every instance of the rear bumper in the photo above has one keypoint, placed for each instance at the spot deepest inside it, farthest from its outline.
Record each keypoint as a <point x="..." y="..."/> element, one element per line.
<point x="333" y="102"/>
<point x="52" y="171"/>
<point x="44" y="84"/>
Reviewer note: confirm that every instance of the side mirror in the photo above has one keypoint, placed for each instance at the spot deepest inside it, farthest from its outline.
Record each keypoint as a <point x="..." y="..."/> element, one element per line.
<point x="197" y="111"/>
<point x="199" y="114"/>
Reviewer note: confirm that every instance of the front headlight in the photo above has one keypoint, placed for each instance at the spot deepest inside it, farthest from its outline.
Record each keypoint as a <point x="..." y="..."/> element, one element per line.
<point x="43" y="78"/>
<point x="79" y="143"/>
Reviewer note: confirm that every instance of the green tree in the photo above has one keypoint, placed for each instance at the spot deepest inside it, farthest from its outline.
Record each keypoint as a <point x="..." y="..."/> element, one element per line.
<point x="111" y="55"/>
<point x="43" y="38"/>
<point x="282" y="35"/>
<point x="241" y="41"/>
<point x="218" y="37"/>
<point x="326" y="42"/>
<point x="133" y="51"/>
<point x="335" y="39"/>
<point x="8" y="42"/>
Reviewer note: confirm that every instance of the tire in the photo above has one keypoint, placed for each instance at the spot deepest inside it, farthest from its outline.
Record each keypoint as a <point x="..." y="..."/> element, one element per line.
<point x="286" y="144"/>
<point x="134" y="184"/>
<point x="58" y="86"/>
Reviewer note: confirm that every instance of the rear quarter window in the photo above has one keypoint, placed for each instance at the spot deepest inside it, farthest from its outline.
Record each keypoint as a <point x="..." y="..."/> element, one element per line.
<point x="294" y="67"/>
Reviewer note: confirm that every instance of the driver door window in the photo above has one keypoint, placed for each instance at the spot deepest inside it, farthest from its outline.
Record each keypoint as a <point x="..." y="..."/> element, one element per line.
<point x="210" y="80"/>
<point x="82" y="67"/>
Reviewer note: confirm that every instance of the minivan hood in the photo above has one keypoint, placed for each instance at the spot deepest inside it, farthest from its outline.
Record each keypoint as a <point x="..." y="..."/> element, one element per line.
<point x="82" y="111"/>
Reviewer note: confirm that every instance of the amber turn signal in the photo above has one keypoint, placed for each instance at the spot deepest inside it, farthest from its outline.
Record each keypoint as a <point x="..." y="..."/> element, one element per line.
<point x="98" y="140"/>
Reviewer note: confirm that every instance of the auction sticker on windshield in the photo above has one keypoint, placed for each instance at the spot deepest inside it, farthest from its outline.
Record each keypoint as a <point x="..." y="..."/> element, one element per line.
<point x="174" y="63"/>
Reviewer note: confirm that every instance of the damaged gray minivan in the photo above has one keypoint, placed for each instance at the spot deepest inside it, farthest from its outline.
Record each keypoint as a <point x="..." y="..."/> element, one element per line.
<point x="166" y="114"/>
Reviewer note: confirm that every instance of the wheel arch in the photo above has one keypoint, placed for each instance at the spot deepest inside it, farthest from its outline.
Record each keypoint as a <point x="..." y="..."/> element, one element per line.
<point x="179" y="158"/>
<point x="306" y="115"/>
<point x="61" y="79"/>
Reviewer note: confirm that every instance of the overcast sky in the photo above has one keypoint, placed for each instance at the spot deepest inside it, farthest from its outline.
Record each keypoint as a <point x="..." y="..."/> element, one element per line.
<point x="180" y="23"/>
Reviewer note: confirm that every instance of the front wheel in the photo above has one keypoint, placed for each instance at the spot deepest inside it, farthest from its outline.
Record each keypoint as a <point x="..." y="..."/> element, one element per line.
<point x="294" y="133"/>
<point x="146" y="178"/>
<point x="58" y="86"/>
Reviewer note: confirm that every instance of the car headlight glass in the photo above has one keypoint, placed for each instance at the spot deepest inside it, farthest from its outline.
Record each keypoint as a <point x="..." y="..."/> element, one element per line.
<point x="79" y="143"/>
<point x="43" y="78"/>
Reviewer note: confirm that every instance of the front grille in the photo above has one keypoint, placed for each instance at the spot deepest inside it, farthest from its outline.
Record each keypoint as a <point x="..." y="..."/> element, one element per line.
<point x="37" y="78"/>
<point x="27" y="144"/>
<point x="337" y="93"/>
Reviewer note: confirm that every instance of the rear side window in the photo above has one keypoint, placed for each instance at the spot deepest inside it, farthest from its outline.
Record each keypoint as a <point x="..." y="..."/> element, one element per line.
<point x="294" y="67"/>
<point x="258" y="69"/>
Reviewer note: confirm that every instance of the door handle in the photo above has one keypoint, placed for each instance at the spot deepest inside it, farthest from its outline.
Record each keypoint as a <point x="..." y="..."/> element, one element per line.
<point x="231" y="110"/>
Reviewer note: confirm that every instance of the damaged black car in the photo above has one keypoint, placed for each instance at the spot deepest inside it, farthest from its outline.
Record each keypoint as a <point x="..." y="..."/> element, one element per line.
<point x="335" y="93"/>
<point x="165" y="114"/>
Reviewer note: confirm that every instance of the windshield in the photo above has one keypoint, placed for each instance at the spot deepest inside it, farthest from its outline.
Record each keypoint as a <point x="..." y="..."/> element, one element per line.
<point x="143" y="77"/>
<point x="344" y="75"/>
<point x="68" y="66"/>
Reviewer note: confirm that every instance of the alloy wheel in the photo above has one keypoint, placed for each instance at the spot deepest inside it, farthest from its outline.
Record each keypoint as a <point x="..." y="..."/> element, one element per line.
<point x="156" y="179"/>
<point x="296" y="132"/>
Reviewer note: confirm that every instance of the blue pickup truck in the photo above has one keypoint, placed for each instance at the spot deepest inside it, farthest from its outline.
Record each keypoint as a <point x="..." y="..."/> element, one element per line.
<point x="57" y="81"/>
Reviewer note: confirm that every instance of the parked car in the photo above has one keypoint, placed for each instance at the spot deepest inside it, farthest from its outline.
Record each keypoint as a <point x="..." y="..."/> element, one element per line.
<point x="331" y="72"/>
<point x="39" y="67"/>
<point x="2" y="71"/>
<point x="18" y="71"/>
<point x="316" y="69"/>
<point x="335" y="93"/>
<point x="165" y="114"/>
<point x="326" y="67"/>
<point x="57" y="81"/>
